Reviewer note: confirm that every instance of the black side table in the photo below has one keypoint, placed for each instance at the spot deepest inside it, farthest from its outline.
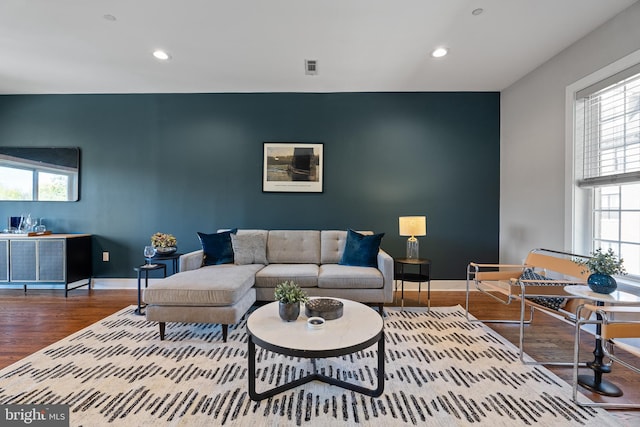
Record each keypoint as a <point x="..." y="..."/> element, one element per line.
<point x="174" y="257"/>
<point x="420" y="274"/>
<point x="146" y="268"/>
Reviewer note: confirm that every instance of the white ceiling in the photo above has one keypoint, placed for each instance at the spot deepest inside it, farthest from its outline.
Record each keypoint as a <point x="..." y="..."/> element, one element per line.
<point x="68" y="46"/>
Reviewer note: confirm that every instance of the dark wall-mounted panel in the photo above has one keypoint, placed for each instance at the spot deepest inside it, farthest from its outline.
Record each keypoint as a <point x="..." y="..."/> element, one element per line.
<point x="39" y="173"/>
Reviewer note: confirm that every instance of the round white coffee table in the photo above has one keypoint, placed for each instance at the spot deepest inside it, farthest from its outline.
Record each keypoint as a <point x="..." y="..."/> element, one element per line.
<point x="359" y="327"/>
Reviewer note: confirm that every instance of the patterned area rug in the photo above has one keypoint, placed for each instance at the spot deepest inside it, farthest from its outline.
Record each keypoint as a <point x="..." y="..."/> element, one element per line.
<point x="440" y="370"/>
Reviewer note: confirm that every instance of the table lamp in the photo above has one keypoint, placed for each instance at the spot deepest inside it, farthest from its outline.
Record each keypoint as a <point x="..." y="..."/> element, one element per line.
<point x="413" y="226"/>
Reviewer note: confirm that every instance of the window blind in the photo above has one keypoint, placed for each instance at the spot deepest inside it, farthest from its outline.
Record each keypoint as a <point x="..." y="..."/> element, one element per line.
<point x="608" y="127"/>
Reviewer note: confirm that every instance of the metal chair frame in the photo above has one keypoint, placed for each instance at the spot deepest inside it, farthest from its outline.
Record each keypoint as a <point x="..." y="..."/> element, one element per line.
<point x="612" y="329"/>
<point x="505" y="280"/>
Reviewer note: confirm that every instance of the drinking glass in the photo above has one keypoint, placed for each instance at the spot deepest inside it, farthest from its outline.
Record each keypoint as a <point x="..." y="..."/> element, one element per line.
<point x="149" y="252"/>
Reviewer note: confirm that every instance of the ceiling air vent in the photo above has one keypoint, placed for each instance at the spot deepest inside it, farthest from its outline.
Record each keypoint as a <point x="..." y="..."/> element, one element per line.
<point x="310" y="67"/>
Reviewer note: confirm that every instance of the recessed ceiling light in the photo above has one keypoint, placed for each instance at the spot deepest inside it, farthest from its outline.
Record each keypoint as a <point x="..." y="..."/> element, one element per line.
<point x="109" y="17"/>
<point x="161" y="55"/>
<point x="478" y="11"/>
<point x="439" y="52"/>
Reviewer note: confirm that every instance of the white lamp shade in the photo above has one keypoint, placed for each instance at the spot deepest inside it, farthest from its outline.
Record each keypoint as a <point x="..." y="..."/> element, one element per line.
<point x="413" y="225"/>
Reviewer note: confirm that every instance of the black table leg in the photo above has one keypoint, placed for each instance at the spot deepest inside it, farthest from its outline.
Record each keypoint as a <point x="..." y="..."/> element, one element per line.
<point x="402" y="291"/>
<point x="138" y="310"/>
<point x="595" y="383"/>
<point x="146" y="268"/>
<point x="314" y="376"/>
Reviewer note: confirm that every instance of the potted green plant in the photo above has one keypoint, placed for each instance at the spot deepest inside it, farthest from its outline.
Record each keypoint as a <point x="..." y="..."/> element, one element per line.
<point x="290" y="295"/>
<point x="602" y="266"/>
<point x="164" y="243"/>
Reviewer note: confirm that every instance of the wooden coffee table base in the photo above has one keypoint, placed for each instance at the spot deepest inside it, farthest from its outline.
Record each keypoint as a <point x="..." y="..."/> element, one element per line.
<point x="315" y="376"/>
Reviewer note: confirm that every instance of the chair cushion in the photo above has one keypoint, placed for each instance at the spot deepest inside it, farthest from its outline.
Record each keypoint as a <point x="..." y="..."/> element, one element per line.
<point x="361" y="250"/>
<point x="554" y="303"/>
<point x="216" y="247"/>
<point x="249" y="247"/>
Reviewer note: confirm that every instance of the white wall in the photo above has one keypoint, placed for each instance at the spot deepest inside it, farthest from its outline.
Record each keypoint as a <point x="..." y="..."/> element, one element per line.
<point x="532" y="181"/>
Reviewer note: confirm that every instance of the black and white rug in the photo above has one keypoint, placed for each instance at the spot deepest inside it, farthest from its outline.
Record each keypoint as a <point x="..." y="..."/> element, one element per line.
<point x="440" y="370"/>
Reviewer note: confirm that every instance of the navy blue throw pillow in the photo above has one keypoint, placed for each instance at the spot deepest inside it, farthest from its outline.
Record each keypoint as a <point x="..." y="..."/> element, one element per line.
<point x="217" y="248"/>
<point x="361" y="250"/>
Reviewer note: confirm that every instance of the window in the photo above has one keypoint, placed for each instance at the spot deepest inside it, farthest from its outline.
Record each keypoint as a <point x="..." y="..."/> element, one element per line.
<point x="607" y="148"/>
<point x="616" y="219"/>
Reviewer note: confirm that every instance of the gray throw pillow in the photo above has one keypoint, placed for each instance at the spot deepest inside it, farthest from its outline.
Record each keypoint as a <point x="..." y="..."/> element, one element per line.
<point x="249" y="248"/>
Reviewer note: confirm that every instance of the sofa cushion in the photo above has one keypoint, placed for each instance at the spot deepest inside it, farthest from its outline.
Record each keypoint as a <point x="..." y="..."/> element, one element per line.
<point x="332" y="245"/>
<point x="215" y="285"/>
<point x="305" y="275"/>
<point x="336" y="276"/>
<point x="293" y="247"/>
<point x="223" y="314"/>
<point x="216" y="247"/>
<point x="249" y="247"/>
<point x="361" y="250"/>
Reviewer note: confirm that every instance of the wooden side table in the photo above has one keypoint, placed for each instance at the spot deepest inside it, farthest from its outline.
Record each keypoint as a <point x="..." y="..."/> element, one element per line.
<point x="146" y="268"/>
<point x="413" y="270"/>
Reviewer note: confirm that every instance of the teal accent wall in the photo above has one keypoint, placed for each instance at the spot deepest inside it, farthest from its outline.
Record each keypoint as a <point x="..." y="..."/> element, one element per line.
<point x="183" y="163"/>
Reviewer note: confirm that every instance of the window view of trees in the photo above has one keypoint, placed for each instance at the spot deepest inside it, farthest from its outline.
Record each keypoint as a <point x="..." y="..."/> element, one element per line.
<point x="19" y="184"/>
<point x="34" y="173"/>
<point x="53" y="186"/>
<point x="16" y="184"/>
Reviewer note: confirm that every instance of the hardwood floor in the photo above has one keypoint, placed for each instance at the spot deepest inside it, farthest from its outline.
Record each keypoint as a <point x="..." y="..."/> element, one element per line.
<point x="32" y="321"/>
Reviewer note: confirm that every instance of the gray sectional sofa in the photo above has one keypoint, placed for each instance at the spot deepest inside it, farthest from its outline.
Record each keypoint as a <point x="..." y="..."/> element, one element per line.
<point x="223" y="293"/>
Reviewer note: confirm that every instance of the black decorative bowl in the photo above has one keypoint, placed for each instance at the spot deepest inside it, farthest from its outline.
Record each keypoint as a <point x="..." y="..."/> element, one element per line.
<point x="327" y="308"/>
<point x="168" y="251"/>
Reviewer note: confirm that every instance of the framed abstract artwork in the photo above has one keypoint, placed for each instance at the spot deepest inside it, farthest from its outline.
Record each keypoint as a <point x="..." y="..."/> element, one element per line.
<point x="293" y="167"/>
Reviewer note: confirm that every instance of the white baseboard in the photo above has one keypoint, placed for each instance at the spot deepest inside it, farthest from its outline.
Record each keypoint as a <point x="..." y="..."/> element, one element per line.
<point x="126" y="283"/>
<point x="118" y="283"/>
<point x="436" y="285"/>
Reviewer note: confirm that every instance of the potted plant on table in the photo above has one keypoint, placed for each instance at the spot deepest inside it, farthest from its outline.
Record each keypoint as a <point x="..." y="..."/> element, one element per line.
<point x="164" y="243"/>
<point x="602" y="266"/>
<point x="290" y="295"/>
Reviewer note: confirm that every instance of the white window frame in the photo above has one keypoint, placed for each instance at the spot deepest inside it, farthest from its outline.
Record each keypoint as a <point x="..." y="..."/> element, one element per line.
<point x="578" y="201"/>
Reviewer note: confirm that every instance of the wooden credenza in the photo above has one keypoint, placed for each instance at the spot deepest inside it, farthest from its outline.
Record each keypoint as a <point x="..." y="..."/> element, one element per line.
<point x="54" y="258"/>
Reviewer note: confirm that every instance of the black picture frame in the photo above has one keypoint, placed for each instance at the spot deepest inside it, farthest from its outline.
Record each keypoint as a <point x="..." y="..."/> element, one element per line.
<point x="293" y="167"/>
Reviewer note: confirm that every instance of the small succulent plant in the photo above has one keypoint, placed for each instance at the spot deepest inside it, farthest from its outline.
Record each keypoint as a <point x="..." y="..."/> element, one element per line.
<point x="163" y="240"/>
<point x="289" y="292"/>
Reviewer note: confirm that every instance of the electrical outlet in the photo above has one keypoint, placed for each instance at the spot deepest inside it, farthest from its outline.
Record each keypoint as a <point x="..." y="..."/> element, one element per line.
<point x="105" y="256"/>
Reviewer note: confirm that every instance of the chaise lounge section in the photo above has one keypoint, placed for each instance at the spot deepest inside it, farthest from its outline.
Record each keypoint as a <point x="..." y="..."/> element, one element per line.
<point x="326" y="263"/>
